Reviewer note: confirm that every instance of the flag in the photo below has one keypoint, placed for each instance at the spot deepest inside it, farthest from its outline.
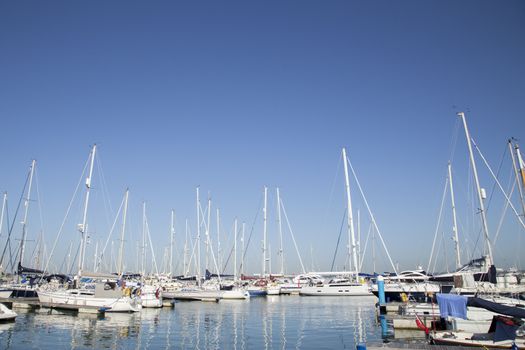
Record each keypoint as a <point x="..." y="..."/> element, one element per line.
<point x="421" y="325"/>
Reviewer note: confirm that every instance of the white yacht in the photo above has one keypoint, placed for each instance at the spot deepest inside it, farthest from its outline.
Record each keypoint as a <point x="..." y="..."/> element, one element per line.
<point x="106" y="296"/>
<point x="337" y="287"/>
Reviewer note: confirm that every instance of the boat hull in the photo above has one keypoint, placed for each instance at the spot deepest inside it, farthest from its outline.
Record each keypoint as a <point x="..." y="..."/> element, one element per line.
<point x="354" y="290"/>
<point x="71" y="300"/>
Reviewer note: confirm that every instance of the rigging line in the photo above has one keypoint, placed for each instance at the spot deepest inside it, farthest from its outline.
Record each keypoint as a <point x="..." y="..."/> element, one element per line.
<point x="39" y="201"/>
<point x="364" y="248"/>
<point x="438" y="224"/>
<point x="499" y="185"/>
<point x="252" y="228"/>
<point x="231" y="252"/>
<point x="332" y="191"/>
<point x="502" y="218"/>
<point x="105" y="192"/>
<point x="293" y="237"/>
<point x="74" y="260"/>
<point x="10" y="231"/>
<point x="454" y="139"/>
<point x="497" y="176"/>
<point x="371" y="214"/>
<point x="338" y="240"/>
<point x="151" y="246"/>
<point x="110" y="232"/>
<point x="67" y="214"/>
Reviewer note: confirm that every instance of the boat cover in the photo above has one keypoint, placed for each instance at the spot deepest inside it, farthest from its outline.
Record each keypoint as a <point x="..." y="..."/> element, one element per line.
<point x="495" y="307"/>
<point x="28" y="271"/>
<point x="452" y="305"/>
<point x="504" y="328"/>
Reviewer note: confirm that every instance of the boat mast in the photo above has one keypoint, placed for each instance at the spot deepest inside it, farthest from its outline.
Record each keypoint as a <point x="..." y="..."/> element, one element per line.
<point x="198" y="239"/>
<point x="83" y="226"/>
<point x="95" y="258"/>
<point x="478" y="188"/>
<point x="351" y="235"/>
<point x="120" y="270"/>
<point x="143" y="255"/>
<point x="454" y="219"/>
<point x="4" y="204"/>
<point x="280" y="231"/>
<point x="219" y="239"/>
<point x="358" y="243"/>
<point x="242" y="249"/>
<point x="264" y="271"/>
<point x="235" y="251"/>
<point x="519" y="172"/>
<point x="26" y="205"/>
<point x="172" y="237"/>
<point x="186" y="251"/>
<point x="207" y="233"/>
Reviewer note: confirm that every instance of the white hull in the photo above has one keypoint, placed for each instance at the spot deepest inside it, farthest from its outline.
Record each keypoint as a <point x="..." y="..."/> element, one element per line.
<point x="72" y="299"/>
<point x="273" y="290"/>
<point x="235" y="294"/>
<point x="188" y="294"/>
<point x="464" y="339"/>
<point x="351" y="290"/>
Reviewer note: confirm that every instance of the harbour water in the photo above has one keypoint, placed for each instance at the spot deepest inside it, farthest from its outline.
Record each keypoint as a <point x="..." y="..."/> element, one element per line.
<point x="274" y="322"/>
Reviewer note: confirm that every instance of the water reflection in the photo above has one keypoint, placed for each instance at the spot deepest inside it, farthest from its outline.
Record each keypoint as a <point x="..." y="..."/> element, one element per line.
<point x="276" y="322"/>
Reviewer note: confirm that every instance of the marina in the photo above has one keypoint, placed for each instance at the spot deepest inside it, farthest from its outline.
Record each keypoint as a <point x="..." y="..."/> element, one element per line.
<point x="282" y="174"/>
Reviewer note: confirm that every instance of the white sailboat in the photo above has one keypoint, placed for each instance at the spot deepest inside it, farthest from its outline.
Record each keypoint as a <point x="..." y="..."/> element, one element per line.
<point x="348" y="284"/>
<point x="102" y="292"/>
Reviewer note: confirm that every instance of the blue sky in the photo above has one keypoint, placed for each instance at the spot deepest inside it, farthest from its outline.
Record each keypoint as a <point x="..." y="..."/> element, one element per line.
<point x="233" y="96"/>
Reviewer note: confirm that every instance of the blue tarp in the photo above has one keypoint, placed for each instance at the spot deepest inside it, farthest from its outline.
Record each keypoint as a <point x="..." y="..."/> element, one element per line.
<point x="452" y="305"/>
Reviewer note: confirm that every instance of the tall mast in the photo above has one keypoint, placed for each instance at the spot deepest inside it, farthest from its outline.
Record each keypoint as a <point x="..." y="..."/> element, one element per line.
<point x="280" y="231"/>
<point x="351" y="235"/>
<point x="26" y="205"/>
<point x="242" y="249"/>
<point x="478" y="188"/>
<point x="454" y="219"/>
<point x="219" y="262"/>
<point x="4" y="203"/>
<point x="185" y="262"/>
<point x="518" y="172"/>
<point x="143" y="255"/>
<point x="172" y="237"/>
<point x="235" y="252"/>
<point x="264" y="271"/>
<point x="207" y="233"/>
<point x="96" y="257"/>
<point x="358" y="243"/>
<point x="198" y="239"/>
<point x="83" y="226"/>
<point x="121" y="248"/>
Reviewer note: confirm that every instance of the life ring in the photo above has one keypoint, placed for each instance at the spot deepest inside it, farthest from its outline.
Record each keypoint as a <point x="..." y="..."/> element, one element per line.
<point x="157" y="293"/>
<point x="127" y="292"/>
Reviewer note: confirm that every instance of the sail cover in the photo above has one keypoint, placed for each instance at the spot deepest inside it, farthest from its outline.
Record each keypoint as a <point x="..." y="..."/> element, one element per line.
<point x="497" y="308"/>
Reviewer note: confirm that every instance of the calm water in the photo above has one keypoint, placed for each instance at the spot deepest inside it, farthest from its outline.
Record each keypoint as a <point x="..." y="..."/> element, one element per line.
<point x="276" y="322"/>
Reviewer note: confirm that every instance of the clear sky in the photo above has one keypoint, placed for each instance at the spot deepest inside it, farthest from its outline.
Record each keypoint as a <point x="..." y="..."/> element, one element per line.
<point x="233" y="96"/>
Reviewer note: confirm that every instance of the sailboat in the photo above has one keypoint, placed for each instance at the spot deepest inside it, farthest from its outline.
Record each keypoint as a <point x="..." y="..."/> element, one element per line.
<point x="480" y="275"/>
<point x="27" y="289"/>
<point x="91" y="290"/>
<point x="348" y="284"/>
